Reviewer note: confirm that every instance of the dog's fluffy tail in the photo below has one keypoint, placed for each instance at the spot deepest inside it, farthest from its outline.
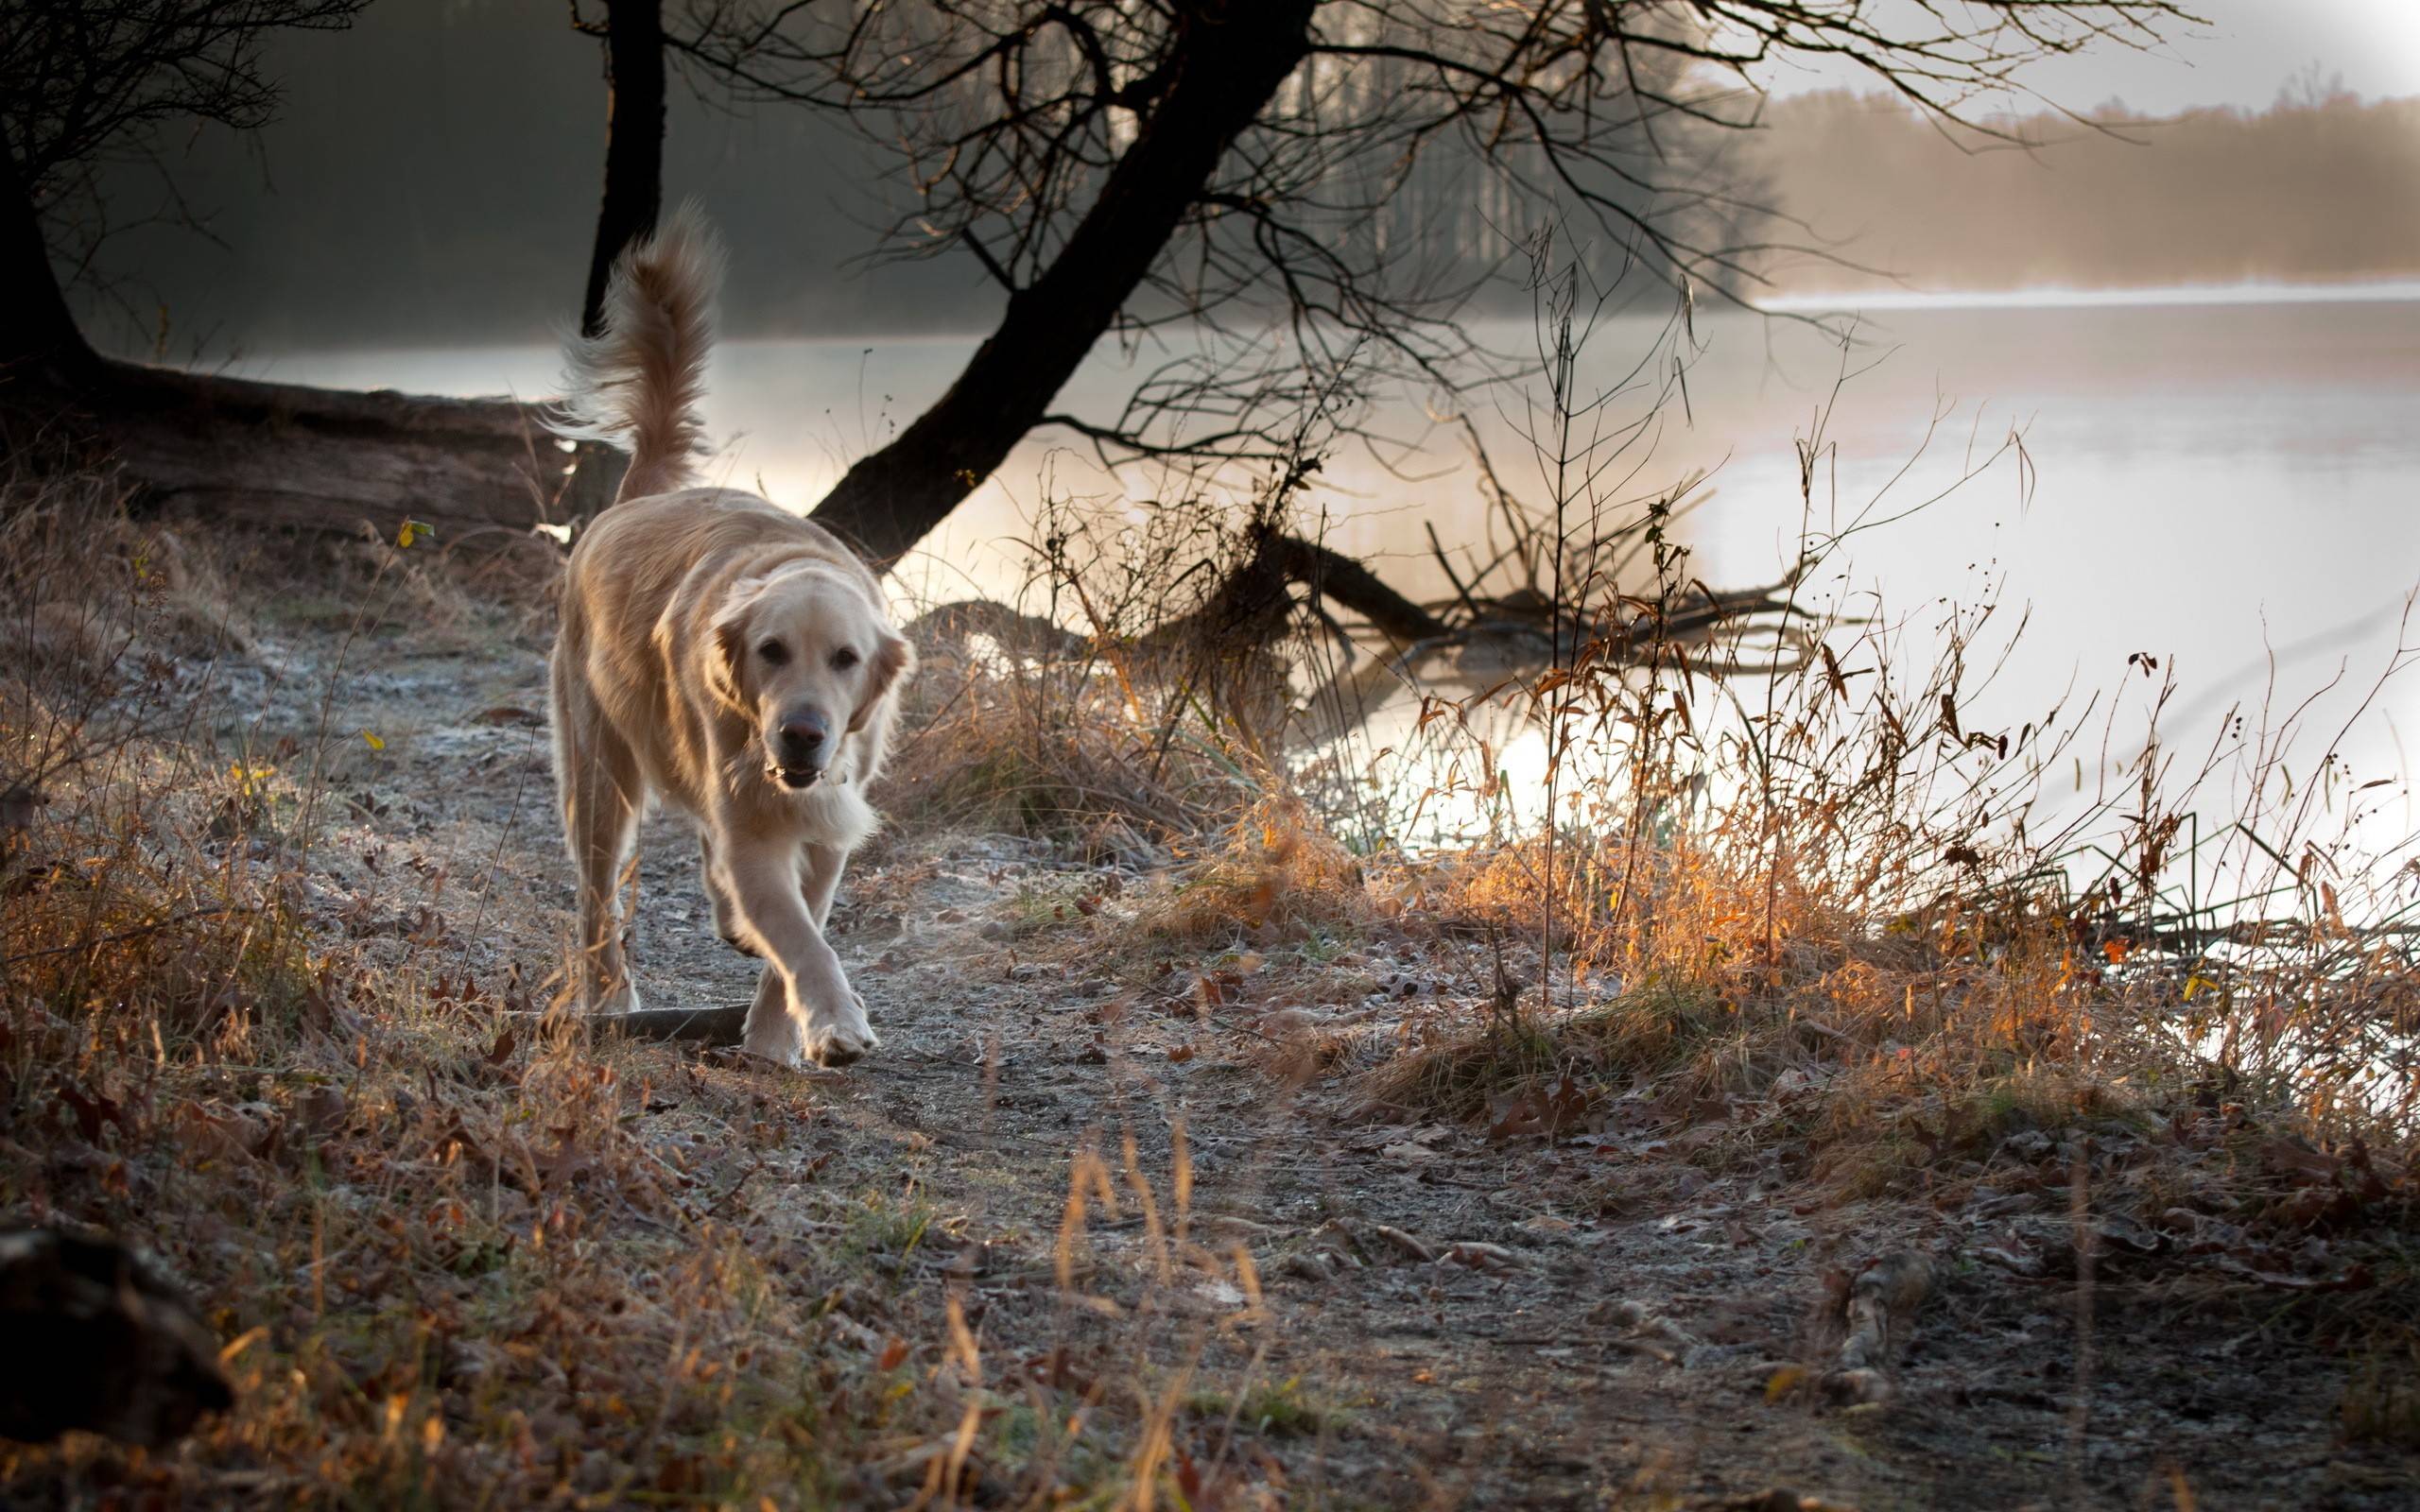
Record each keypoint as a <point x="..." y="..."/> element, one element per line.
<point x="639" y="381"/>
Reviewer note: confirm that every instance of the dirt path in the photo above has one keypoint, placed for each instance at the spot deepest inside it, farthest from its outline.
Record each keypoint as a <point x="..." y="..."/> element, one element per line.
<point x="1443" y="1320"/>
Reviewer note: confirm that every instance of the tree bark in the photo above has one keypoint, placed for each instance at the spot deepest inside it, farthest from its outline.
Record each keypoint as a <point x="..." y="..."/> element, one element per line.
<point x="1230" y="60"/>
<point x="634" y="114"/>
<point x="39" y="341"/>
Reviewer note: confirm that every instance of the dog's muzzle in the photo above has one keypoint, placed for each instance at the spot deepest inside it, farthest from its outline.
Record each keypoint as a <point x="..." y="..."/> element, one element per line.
<point x="797" y="749"/>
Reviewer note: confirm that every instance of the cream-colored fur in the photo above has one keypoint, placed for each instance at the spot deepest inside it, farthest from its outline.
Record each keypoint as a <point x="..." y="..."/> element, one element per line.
<point x="705" y="634"/>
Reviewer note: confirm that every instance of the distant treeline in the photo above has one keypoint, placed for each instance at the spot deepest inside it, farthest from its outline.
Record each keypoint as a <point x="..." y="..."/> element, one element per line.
<point x="2313" y="190"/>
<point x="434" y="181"/>
<point x="434" y="177"/>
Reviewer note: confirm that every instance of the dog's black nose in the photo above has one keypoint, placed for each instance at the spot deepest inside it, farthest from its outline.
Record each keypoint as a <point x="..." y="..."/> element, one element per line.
<point x="801" y="738"/>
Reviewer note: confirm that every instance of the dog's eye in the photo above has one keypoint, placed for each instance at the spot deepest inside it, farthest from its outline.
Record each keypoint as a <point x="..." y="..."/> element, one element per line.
<point x="844" y="659"/>
<point x="774" y="652"/>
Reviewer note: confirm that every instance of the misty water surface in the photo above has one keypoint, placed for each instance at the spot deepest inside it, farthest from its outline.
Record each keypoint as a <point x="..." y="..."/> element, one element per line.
<point x="2230" y="485"/>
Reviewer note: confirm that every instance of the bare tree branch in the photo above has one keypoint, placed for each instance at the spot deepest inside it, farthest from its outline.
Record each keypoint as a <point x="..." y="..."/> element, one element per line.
<point x="1380" y="157"/>
<point x="86" y="83"/>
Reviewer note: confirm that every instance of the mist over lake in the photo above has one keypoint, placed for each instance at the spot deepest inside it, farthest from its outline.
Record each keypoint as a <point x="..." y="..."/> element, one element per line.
<point x="2226" y="480"/>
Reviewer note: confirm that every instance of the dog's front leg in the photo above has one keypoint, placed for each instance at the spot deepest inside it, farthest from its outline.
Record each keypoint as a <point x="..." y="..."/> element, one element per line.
<point x="719" y="895"/>
<point x="814" y="1012"/>
<point x="823" y="864"/>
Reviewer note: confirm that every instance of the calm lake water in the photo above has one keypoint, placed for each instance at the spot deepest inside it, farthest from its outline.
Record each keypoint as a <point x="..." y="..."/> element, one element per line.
<point x="2229" y="483"/>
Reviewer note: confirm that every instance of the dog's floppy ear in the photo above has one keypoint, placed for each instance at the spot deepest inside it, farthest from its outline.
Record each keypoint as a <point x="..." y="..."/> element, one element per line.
<point x="893" y="658"/>
<point x="729" y="648"/>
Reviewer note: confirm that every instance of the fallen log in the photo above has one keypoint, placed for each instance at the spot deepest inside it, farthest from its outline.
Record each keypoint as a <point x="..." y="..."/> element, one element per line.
<point x="284" y="454"/>
<point x="712" y="1026"/>
<point x="706" y="1027"/>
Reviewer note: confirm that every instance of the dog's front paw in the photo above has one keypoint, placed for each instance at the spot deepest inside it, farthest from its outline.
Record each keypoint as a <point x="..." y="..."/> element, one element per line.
<point x="843" y="1037"/>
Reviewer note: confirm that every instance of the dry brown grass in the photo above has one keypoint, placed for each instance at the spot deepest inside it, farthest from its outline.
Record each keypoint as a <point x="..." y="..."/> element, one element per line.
<point x="1276" y="875"/>
<point x="1060" y="749"/>
<point x="2382" y="1402"/>
<point x="445" y="1270"/>
<point x="458" y="1254"/>
<point x="1813" y="879"/>
<point x="455" y="1257"/>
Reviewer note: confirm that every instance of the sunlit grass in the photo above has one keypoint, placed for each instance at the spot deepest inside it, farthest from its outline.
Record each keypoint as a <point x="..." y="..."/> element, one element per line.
<point x="453" y="1257"/>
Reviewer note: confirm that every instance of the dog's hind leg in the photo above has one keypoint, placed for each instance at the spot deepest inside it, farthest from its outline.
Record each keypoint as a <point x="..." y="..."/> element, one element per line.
<point x="602" y="795"/>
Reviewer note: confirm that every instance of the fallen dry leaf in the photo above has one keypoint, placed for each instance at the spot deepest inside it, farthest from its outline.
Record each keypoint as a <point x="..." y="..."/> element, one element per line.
<point x="1410" y="1245"/>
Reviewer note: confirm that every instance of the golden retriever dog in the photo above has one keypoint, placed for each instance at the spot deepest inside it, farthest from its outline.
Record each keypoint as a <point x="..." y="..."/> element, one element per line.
<point x="722" y="654"/>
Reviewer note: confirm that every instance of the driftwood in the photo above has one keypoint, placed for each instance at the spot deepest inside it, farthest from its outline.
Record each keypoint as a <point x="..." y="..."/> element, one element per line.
<point x="315" y="458"/>
<point x="1249" y="608"/>
<point x="1224" y="645"/>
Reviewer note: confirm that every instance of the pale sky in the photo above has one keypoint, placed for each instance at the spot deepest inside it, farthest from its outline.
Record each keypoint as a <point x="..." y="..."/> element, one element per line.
<point x="2247" y="52"/>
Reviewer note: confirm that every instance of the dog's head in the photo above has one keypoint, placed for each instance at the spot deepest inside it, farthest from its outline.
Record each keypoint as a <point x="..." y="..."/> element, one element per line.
<point x="807" y="656"/>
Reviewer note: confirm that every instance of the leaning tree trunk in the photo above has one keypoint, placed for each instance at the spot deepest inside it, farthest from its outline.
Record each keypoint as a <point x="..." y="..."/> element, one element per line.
<point x="1231" y="61"/>
<point x="633" y="141"/>
<point x="275" y="454"/>
<point x="39" y="342"/>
